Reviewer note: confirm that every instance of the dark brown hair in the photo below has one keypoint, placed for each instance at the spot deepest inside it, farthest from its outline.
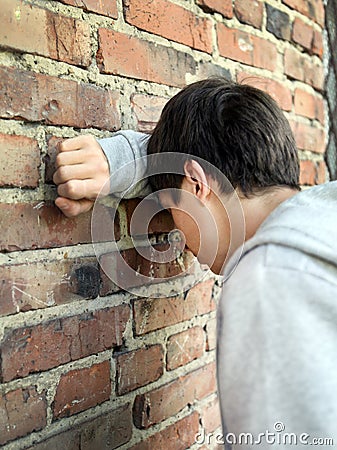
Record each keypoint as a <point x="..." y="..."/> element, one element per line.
<point x="237" y="128"/>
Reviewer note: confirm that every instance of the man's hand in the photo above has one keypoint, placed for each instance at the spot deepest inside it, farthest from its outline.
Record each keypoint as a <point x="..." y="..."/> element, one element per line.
<point x="82" y="170"/>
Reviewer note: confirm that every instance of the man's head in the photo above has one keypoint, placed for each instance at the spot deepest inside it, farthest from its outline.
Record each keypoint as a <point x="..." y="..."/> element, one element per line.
<point x="236" y="129"/>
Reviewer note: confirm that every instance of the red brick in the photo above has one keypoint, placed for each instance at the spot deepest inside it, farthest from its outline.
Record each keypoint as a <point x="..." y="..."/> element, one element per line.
<point x="104" y="7"/>
<point x="170" y="21"/>
<point x="249" y="12"/>
<point x="223" y="7"/>
<point x="41" y="347"/>
<point x="106" y="432"/>
<point x="178" y="436"/>
<point x="82" y="389"/>
<point x="319" y="110"/>
<point x="120" y="54"/>
<point x="313" y="8"/>
<point x="241" y="46"/>
<point x="308" y="137"/>
<point x="317" y="44"/>
<point x="139" y="367"/>
<point x="307" y="173"/>
<point x="42" y="225"/>
<point x="37" y="285"/>
<point x="34" y="30"/>
<point x="22" y="411"/>
<point x="211" y="334"/>
<point x="300" y="67"/>
<point x="19" y="161"/>
<point x="210" y="417"/>
<point x="321" y="172"/>
<point x="147" y="110"/>
<point x="184" y="347"/>
<point x="154" y="314"/>
<point x="133" y="269"/>
<point x="50" y="158"/>
<point x="302" y="33"/>
<point x="166" y="401"/>
<point x="161" y="222"/>
<point x="280" y="93"/>
<point x="305" y="103"/>
<point x="52" y="100"/>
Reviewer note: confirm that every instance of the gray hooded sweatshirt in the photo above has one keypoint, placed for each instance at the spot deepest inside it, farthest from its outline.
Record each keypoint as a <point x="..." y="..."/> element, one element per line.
<point x="277" y="319"/>
<point x="277" y="327"/>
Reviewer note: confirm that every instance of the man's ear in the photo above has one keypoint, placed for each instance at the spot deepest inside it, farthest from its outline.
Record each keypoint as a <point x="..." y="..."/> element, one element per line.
<point x="196" y="179"/>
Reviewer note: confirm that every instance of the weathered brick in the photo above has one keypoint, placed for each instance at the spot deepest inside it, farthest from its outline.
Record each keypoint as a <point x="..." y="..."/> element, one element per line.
<point x="308" y="137"/>
<point x="179" y="436"/>
<point x="108" y="431"/>
<point x="211" y="334"/>
<point x="43" y="225"/>
<point x="19" y="161"/>
<point x="171" y="21"/>
<point x="166" y="401"/>
<point x="319" y="109"/>
<point x="52" y="100"/>
<point x="154" y="314"/>
<point x="37" y="285"/>
<point x="317" y="43"/>
<point x="305" y="103"/>
<point x="22" y="411"/>
<point x="224" y="7"/>
<point x="131" y="268"/>
<point x="300" y="67"/>
<point x="147" y="110"/>
<point x="307" y="173"/>
<point x="208" y="69"/>
<point x="321" y="172"/>
<point x="105" y="432"/>
<point x="302" y="33"/>
<point x="250" y="12"/>
<point x="120" y="54"/>
<point x="241" y="46"/>
<point x="104" y="7"/>
<point x="69" y="440"/>
<point x="82" y="389"/>
<point x="278" y="23"/>
<point x="210" y="417"/>
<point x="161" y="222"/>
<point x="280" y="93"/>
<point x="138" y="368"/>
<point x="41" y="347"/>
<point x="312" y="8"/>
<point x="27" y="28"/>
<point x="50" y="158"/>
<point x="184" y="347"/>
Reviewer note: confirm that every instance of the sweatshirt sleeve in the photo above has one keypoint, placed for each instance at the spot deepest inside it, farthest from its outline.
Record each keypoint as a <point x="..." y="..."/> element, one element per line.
<point x="126" y="154"/>
<point x="276" y="350"/>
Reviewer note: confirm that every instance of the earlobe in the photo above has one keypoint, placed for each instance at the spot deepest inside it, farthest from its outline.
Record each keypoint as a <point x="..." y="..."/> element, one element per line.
<point x="196" y="177"/>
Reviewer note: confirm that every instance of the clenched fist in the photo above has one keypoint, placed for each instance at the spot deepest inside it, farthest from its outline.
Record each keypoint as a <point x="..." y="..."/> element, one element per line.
<point x="82" y="170"/>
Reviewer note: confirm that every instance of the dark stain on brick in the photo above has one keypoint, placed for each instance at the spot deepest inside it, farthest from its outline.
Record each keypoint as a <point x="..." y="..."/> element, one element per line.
<point x="86" y="281"/>
<point x="278" y="23"/>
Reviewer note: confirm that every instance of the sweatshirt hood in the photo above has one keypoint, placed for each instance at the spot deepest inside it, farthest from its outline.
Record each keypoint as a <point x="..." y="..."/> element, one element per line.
<point x="307" y="222"/>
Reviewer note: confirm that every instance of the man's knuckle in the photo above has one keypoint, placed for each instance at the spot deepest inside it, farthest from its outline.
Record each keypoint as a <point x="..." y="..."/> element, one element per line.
<point x="72" y="189"/>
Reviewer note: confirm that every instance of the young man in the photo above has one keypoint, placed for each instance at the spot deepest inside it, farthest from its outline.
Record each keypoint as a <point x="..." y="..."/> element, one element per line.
<point x="277" y="317"/>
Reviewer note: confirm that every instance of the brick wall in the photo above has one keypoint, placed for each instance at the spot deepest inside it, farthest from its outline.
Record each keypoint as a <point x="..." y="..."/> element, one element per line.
<point x="84" y="365"/>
